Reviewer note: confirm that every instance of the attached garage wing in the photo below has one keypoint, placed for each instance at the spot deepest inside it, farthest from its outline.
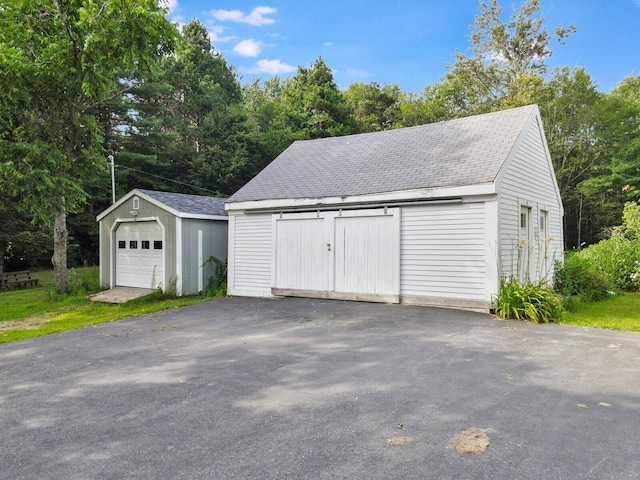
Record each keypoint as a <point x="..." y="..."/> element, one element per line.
<point x="139" y="255"/>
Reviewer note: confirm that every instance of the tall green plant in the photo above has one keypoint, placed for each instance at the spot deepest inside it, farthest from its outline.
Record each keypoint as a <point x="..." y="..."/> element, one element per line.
<point x="218" y="282"/>
<point x="533" y="301"/>
<point x="577" y="277"/>
<point x="615" y="259"/>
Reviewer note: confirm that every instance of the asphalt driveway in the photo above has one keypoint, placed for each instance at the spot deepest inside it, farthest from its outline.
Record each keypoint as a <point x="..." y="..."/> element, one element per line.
<point x="301" y="388"/>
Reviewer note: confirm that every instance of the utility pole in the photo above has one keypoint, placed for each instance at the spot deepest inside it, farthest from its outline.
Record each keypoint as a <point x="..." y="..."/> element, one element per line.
<point x="113" y="179"/>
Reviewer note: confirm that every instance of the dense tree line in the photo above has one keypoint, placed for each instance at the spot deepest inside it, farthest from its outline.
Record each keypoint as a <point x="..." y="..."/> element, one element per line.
<point x="176" y="117"/>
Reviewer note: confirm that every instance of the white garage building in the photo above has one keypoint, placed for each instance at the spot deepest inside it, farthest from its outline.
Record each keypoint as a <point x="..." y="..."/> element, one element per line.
<point x="149" y="239"/>
<point x="434" y="214"/>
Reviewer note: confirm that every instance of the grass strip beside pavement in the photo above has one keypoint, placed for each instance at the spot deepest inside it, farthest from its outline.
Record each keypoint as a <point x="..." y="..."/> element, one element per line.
<point x="89" y="313"/>
<point x="619" y="312"/>
<point x="35" y="311"/>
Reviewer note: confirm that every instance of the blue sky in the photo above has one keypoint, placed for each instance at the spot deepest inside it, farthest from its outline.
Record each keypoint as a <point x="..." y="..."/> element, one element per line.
<point x="407" y="42"/>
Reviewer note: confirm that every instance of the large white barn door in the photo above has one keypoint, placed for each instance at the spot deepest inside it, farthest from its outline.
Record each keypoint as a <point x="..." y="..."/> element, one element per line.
<point x="301" y="260"/>
<point x="351" y="255"/>
<point x="367" y="253"/>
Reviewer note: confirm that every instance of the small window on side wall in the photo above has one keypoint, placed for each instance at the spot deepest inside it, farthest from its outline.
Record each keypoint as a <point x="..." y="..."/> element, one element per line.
<point x="157" y="244"/>
<point x="136" y="203"/>
<point x="133" y="244"/>
<point x="523" y="220"/>
<point x="145" y="244"/>
<point x="122" y="244"/>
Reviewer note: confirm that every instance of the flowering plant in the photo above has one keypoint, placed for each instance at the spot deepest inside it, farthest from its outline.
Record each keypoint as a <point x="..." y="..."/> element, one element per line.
<point x="635" y="275"/>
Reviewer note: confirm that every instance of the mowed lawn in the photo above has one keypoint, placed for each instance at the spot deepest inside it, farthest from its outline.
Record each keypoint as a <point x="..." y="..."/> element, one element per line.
<point x="34" y="311"/>
<point x="620" y="312"/>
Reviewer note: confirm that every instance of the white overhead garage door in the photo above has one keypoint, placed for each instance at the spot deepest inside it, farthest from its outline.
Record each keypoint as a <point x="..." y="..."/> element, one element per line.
<point x="351" y="255"/>
<point x="139" y="255"/>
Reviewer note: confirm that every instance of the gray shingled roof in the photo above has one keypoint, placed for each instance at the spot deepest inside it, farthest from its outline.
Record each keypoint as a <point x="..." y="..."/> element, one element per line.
<point x="465" y="151"/>
<point x="184" y="203"/>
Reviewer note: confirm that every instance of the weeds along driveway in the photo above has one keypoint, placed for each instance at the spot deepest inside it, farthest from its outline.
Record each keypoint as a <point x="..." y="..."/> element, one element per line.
<point x="300" y="388"/>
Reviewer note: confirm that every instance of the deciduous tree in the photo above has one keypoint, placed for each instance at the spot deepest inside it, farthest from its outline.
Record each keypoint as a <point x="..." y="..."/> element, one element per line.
<point x="375" y="107"/>
<point x="506" y="55"/>
<point x="59" y="62"/>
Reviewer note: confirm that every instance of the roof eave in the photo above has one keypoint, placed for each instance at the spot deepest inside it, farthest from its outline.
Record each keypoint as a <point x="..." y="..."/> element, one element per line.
<point x="158" y="204"/>
<point x="337" y="201"/>
<point x="202" y="216"/>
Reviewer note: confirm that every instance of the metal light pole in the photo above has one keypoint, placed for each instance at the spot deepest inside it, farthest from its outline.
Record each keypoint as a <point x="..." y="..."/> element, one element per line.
<point x="113" y="179"/>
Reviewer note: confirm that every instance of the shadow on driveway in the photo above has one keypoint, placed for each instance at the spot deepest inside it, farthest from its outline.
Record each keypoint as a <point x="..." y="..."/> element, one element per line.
<point x="302" y="388"/>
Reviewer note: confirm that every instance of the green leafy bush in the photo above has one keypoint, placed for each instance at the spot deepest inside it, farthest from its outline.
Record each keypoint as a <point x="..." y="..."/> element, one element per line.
<point x="84" y="281"/>
<point x="615" y="260"/>
<point x="578" y="277"/>
<point x="168" y="293"/>
<point x="534" y="301"/>
<point x="218" y="282"/>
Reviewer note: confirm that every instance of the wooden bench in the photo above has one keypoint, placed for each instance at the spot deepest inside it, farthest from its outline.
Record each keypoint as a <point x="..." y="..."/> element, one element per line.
<point x="16" y="279"/>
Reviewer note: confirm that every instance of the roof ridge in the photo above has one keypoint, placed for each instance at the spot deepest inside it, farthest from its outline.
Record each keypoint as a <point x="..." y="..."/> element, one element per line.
<point x="145" y="190"/>
<point x="423" y="125"/>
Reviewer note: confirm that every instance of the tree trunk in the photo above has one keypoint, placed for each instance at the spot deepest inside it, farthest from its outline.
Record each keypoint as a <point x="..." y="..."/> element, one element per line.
<point x="59" y="258"/>
<point x="2" y="252"/>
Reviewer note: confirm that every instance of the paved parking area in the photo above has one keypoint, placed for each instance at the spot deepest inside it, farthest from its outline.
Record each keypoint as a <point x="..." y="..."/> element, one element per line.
<point x="301" y="388"/>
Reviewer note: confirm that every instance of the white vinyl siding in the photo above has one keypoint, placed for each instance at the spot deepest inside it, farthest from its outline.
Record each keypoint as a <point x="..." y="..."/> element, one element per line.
<point x="250" y="255"/>
<point x="528" y="184"/>
<point x="443" y="251"/>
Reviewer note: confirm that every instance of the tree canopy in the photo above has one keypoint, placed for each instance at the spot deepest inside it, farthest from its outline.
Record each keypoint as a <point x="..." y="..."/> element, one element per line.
<point x="84" y="79"/>
<point x="60" y="61"/>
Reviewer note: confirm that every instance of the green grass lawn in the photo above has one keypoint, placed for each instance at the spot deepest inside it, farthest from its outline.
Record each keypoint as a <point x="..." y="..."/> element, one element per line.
<point x="621" y="312"/>
<point x="35" y="311"/>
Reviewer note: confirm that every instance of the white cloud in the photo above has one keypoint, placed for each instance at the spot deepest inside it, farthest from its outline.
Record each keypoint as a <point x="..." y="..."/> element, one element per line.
<point x="271" y="67"/>
<point x="358" y="73"/>
<point x="255" y="17"/>
<point x="224" y="15"/>
<point x="327" y="44"/>
<point x="216" y="35"/>
<point x="248" y="48"/>
<point x="170" y="4"/>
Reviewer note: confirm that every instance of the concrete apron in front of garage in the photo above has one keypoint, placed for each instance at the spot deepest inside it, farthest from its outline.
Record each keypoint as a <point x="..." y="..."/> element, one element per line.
<point x="119" y="294"/>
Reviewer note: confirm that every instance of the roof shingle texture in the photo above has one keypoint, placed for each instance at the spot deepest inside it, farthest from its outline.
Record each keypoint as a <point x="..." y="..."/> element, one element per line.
<point x="465" y="151"/>
<point x="193" y="204"/>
